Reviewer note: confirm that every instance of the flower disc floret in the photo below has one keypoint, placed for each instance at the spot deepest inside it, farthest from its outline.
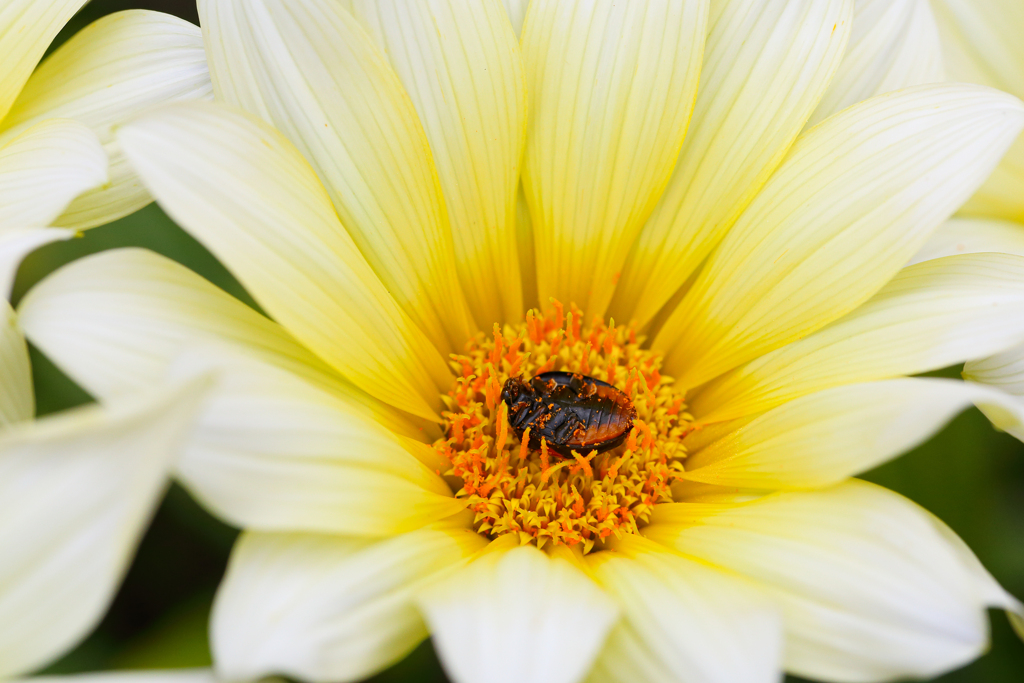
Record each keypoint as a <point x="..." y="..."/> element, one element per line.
<point x="533" y="492"/>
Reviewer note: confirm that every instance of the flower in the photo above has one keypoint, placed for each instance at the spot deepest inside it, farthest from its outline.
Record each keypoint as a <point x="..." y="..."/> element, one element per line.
<point x="76" y="493"/>
<point x="56" y="120"/>
<point x="738" y="278"/>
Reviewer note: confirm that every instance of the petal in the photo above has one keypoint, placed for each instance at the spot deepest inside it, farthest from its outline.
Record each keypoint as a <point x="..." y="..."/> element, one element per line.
<point x="766" y="65"/>
<point x="683" y="620"/>
<point x="894" y="44"/>
<point x="857" y="196"/>
<point x="76" y="492"/>
<point x="461" y="66"/>
<point x="16" y="244"/>
<point x="248" y="195"/>
<point x="823" y="438"/>
<point x="17" y="399"/>
<point x="142" y="676"/>
<point x="611" y="86"/>
<point x="1001" y="196"/>
<point x="871" y="589"/>
<point x="26" y="29"/>
<point x="517" y="617"/>
<point x="929" y="316"/>
<point x="309" y="68"/>
<point x="1004" y="371"/>
<point x="104" y="75"/>
<point x="272" y="452"/>
<point x="961" y="235"/>
<point x="43" y="168"/>
<point x="326" y="608"/>
<point x="517" y="13"/>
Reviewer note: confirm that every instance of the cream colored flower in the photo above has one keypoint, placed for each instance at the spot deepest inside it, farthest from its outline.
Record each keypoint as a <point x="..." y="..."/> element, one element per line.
<point x="76" y="493"/>
<point x="360" y="178"/>
<point x="56" y="121"/>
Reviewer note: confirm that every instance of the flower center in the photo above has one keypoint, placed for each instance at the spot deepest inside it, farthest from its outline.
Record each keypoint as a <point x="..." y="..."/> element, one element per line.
<point x="568" y="486"/>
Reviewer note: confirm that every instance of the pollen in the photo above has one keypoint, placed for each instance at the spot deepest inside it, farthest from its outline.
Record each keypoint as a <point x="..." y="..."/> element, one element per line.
<point x="538" y="495"/>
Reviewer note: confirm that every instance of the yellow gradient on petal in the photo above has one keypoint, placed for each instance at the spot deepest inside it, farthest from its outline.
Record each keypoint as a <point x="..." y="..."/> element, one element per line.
<point x="17" y="399"/>
<point x="611" y="89"/>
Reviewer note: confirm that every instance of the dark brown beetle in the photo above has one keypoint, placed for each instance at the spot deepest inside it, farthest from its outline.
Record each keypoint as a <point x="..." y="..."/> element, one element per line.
<point x="570" y="411"/>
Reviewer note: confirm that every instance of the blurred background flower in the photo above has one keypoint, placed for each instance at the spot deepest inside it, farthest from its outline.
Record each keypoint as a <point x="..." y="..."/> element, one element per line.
<point x="969" y="475"/>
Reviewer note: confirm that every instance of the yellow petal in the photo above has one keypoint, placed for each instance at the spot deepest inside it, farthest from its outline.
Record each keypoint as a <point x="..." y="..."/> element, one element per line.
<point x="308" y="67"/>
<point x="683" y="620"/>
<point x="857" y="196"/>
<point x="517" y="616"/>
<point x="26" y="29"/>
<point x="17" y="399"/>
<point x="76" y="494"/>
<point x="326" y="608"/>
<point x="15" y="244"/>
<point x="611" y="89"/>
<point x="240" y="188"/>
<point x="930" y="316"/>
<point x="965" y="235"/>
<point x="1001" y="196"/>
<point x="766" y="66"/>
<point x="43" y="168"/>
<point x="894" y="44"/>
<point x="527" y="251"/>
<point x="825" y="437"/>
<point x="460" y="65"/>
<point x="871" y="589"/>
<point x="516" y="10"/>
<point x="104" y="75"/>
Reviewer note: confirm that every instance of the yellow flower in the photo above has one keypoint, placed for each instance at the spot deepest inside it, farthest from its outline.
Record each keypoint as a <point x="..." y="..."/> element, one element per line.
<point x="56" y="121"/>
<point x="679" y="234"/>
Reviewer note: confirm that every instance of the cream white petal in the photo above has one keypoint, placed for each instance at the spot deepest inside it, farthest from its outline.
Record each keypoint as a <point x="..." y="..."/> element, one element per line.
<point x="894" y="44"/>
<point x="460" y="65"/>
<point x="871" y="588"/>
<point x="855" y="199"/>
<point x="140" y="676"/>
<point x="1001" y="195"/>
<point x="766" y="65"/>
<point x="104" y="75"/>
<point x="683" y="620"/>
<point x="930" y="316"/>
<point x="517" y="13"/>
<point x="16" y="244"/>
<point x="272" y="452"/>
<point x="611" y="89"/>
<point x="1004" y="371"/>
<point x="26" y="29"/>
<point x="326" y="608"/>
<point x="239" y="187"/>
<point x="965" y="235"/>
<point x="76" y="492"/>
<point x="17" y="400"/>
<point x="308" y="67"/>
<point x="43" y="168"/>
<point x="825" y="437"/>
<point x="517" y="616"/>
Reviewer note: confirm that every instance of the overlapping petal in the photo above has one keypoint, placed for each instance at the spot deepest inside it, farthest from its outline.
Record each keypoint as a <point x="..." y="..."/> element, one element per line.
<point x="517" y="616"/>
<point x="683" y="620"/>
<point x="240" y="188"/>
<point x="930" y="316"/>
<point x="825" y="437"/>
<point x="461" y="67"/>
<point x="894" y="44"/>
<point x="17" y="401"/>
<point x="857" y="196"/>
<point x="611" y="86"/>
<point x="26" y="29"/>
<point x="43" y="168"/>
<point x="104" y="75"/>
<point x="326" y="608"/>
<point x="17" y="243"/>
<point x="766" y="65"/>
<point x="517" y="14"/>
<point x="141" y="676"/>
<point x="76" y="492"/>
<point x="308" y="67"/>
<point x="870" y="586"/>
<point x="960" y="235"/>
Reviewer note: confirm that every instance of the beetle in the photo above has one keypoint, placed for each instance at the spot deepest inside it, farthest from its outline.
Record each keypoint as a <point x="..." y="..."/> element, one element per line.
<point x="569" y="410"/>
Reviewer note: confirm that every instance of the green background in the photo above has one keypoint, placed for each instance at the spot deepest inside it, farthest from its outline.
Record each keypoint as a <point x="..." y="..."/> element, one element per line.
<point x="969" y="475"/>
